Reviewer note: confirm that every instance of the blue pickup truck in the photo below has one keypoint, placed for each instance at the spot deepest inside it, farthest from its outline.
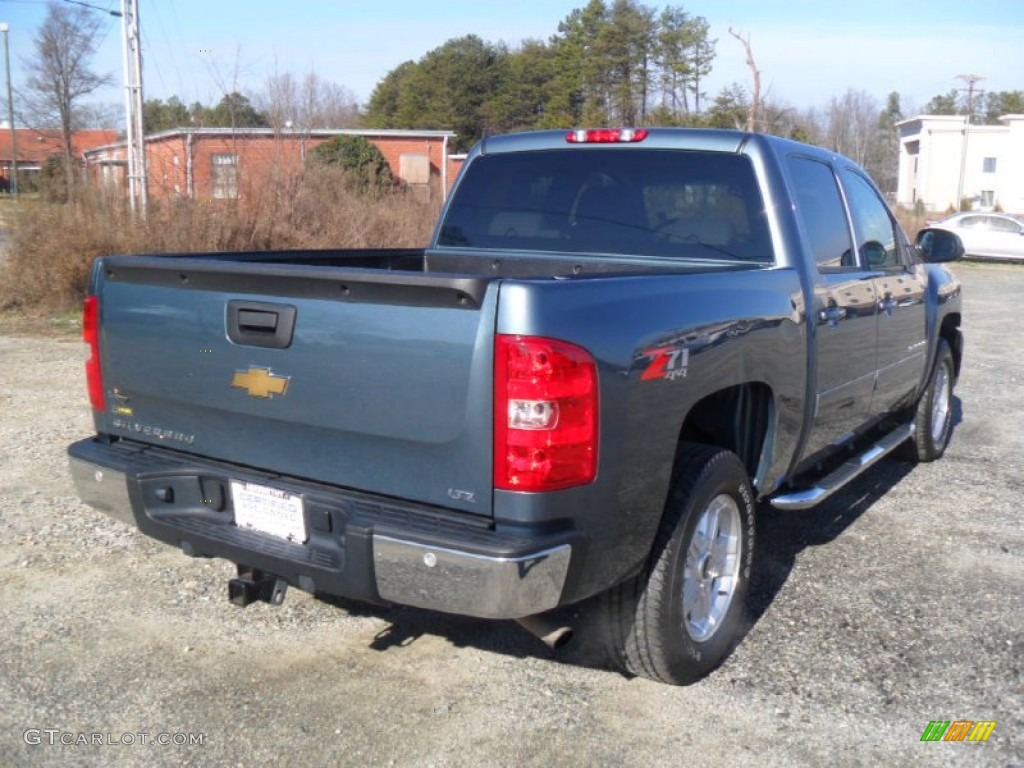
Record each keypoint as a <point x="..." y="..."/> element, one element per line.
<point x="617" y="344"/>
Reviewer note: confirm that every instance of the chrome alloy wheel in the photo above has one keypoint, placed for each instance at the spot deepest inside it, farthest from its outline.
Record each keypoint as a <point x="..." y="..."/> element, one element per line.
<point x="711" y="571"/>
<point x="943" y="392"/>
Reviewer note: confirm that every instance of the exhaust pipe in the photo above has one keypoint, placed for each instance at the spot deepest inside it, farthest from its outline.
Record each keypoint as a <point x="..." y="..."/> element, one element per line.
<point x="253" y="585"/>
<point x="553" y="634"/>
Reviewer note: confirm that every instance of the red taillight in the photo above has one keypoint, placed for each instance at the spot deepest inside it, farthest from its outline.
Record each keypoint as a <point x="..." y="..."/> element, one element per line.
<point x="91" y="336"/>
<point x="545" y="414"/>
<point x="606" y="135"/>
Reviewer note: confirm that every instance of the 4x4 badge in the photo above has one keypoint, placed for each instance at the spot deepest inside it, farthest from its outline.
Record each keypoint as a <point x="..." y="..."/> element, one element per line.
<point x="260" y="382"/>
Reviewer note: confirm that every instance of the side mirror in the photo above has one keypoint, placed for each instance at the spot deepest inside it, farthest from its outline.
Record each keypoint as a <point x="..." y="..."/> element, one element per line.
<point x="939" y="245"/>
<point x="874" y="254"/>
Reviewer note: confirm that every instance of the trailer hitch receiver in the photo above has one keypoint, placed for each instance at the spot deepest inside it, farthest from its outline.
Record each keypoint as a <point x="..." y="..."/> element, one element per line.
<point x="252" y="585"/>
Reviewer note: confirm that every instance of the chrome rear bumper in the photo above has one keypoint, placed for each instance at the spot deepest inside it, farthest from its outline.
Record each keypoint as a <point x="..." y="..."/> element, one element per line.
<point x="103" y="489"/>
<point x="487" y="574"/>
<point x="445" y="579"/>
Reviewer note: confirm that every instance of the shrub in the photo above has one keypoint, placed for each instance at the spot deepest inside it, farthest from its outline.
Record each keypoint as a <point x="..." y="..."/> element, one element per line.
<point x="364" y="164"/>
<point x="53" y="179"/>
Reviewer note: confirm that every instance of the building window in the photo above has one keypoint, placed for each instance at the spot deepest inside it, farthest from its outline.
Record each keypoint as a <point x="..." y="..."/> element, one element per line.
<point x="988" y="198"/>
<point x="225" y="176"/>
<point x="988" y="165"/>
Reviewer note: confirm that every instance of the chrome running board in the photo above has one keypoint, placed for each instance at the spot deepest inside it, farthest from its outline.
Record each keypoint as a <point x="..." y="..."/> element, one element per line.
<point x="804" y="499"/>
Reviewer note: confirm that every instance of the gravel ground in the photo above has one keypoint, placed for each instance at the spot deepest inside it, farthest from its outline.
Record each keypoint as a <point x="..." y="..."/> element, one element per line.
<point x="898" y="602"/>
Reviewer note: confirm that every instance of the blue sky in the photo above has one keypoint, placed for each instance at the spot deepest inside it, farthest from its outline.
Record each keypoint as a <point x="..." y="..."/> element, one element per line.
<point x="807" y="51"/>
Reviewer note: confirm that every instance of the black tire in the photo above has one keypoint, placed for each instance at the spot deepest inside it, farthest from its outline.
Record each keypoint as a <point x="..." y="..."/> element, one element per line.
<point x="933" y="417"/>
<point x="648" y="631"/>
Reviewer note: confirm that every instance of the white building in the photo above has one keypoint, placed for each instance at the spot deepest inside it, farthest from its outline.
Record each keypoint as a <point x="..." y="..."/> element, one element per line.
<point x="943" y="160"/>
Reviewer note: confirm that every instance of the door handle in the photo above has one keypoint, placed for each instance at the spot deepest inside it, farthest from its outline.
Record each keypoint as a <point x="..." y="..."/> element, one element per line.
<point x="832" y="314"/>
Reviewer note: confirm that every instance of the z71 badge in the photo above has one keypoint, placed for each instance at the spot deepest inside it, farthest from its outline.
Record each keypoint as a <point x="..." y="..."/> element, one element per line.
<point x="668" y="363"/>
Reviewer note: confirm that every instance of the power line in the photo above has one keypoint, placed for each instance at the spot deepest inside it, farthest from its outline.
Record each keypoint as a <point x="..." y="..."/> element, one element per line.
<point x="94" y="7"/>
<point x="167" y="42"/>
<point x="156" y="63"/>
<point x="179" y="31"/>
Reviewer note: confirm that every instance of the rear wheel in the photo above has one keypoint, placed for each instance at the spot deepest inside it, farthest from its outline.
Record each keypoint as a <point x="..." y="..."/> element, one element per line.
<point x="933" y="419"/>
<point x="686" y="611"/>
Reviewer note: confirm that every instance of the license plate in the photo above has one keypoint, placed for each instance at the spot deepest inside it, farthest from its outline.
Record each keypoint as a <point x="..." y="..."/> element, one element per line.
<point x="269" y="511"/>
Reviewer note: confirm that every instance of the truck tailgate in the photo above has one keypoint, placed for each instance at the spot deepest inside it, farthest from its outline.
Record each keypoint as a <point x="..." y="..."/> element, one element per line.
<point x="367" y="379"/>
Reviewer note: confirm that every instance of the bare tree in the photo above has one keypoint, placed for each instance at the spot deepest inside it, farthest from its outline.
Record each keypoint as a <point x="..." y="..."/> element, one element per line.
<point x="306" y="105"/>
<point x="852" y="126"/>
<point x="328" y="104"/>
<point x="279" y="101"/>
<point x="754" y="109"/>
<point x="59" y="74"/>
<point x="109" y="115"/>
<point x="232" y="101"/>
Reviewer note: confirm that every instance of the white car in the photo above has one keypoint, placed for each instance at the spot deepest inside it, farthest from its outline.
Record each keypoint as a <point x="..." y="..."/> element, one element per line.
<point x="987" y="235"/>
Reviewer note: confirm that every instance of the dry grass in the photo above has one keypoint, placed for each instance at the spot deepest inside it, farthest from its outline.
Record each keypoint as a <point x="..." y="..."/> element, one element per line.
<point x="51" y="247"/>
<point x="912" y="220"/>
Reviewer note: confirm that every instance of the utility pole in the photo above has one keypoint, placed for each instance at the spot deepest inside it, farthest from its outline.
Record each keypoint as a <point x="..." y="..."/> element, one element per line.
<point x="134" y="136"/>
<point x="971" y="81"/>
<point x="10" y="116"/>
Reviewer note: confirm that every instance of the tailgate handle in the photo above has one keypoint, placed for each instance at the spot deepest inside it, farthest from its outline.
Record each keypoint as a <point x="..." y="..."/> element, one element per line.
<point x="257" y="324"/>
<point x="257" y="320"/>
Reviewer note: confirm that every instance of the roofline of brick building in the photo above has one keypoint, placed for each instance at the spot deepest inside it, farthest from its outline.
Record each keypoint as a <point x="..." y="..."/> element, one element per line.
<point x="398" y="133"/>
<point x="28" y="141"/>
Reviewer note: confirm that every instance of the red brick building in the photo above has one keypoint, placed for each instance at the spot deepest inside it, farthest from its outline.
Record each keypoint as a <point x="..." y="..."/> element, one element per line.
<point x="211" y="163"/>
<point x="35" y="147"/>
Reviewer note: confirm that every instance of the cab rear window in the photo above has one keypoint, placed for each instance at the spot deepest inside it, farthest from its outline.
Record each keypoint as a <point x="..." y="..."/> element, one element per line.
<point x="661" y="203"/>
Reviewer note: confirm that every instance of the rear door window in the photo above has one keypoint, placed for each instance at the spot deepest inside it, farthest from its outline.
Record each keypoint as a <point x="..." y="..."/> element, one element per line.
<point x="820" y="210"/>
<point x="877" y="242"/>
<point x="1003" y="225"/>
<point x="634" y="202"/>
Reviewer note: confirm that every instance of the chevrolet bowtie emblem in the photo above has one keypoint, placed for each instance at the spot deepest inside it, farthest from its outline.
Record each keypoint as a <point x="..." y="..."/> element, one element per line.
<point x="260" y="382"/>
